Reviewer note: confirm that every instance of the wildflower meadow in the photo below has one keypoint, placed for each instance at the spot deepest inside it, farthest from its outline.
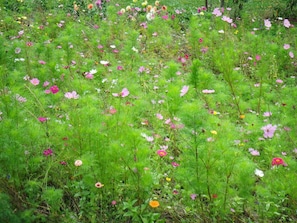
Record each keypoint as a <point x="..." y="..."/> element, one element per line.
<point x="148" y="111"/>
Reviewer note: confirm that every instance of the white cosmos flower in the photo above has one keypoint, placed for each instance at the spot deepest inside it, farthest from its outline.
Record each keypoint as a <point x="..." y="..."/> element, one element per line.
<point x="259" y="173"/>
<point x="150" y="16"/>
<point x="93" y="71"/>
<point x="134" y="49"/>
<point x="103" y="62"/>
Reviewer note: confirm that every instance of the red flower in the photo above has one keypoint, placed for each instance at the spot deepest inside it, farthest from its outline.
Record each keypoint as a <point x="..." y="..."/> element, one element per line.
<point x="278" y="161"/>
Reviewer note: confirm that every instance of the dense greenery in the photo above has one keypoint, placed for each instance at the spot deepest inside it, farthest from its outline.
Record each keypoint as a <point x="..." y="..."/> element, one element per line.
<point x="147" y="111"/>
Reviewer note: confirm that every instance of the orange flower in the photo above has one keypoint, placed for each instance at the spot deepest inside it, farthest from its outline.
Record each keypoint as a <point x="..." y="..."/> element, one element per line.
<point x="164" y="7"/>
<point x="90" y="6"/>
<point x="154" y="204"/>
<point x="149" y="8"/>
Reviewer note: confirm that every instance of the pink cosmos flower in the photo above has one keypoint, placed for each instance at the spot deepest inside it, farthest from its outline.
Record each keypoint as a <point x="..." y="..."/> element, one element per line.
<point x="20" y="98"/>
<point x="269" y="130"/>
<point x="267" y="23"/>
<point x="227" y="19"/>
<point x="287" y="23"/>
<point x="174" y="164"/>
<point x="34" y="81"/>
<point x="184" y="90"/>
<point x="71" y="95"/>
<point x="287" y="46"/>
<point x="54" y="89"/>
<point x="165" y="17"/>
<point x="113" y="203"/>
<point x="141" y="69"/>
<point x="291" y="54"/>
<point x="159" y="116"/>
<point x="120" y="68"/>
<point x="206" y="91"/>
<point x="278" y="161"/>
<point x="193" y="196"/>
<point x="149" y="138"/>
<point x="89" y="75"/>
<point x="42" y="62"/>
<point x="124" y="93"/>
<point x="267" y="114"/>
<point x="161" y="152"/>
<point x="279" y="81"/>
<point x="217" y="12"/>
<point x="254" y="152"/>
<point x="258" y="57"/>
<point x="45" y="84"/>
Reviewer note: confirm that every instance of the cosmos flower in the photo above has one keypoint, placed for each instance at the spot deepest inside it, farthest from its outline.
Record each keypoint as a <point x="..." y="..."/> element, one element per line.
<point x="278" y="161"/>
<point x="269" y="130"/>
<point x="154" y="203"/>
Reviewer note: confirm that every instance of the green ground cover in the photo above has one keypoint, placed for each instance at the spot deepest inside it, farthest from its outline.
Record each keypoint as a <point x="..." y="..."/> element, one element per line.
<point x="147" y="112"/>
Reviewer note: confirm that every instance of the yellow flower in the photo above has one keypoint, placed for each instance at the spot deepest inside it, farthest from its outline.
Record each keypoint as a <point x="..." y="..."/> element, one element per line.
<point x="149" y="8"/>
<point x="144" y="3"/>
<point x="128" y="8"/>
<point x="157" y="3"/>
<point x="214" y="132"/>
<point x="75" y="7"/>
<point x="168" y="179"/>
<point x="215" y="113"/>
<point x="122" y="11"/>
<point x="242" y="116"/>
<point x="154" y="204"/>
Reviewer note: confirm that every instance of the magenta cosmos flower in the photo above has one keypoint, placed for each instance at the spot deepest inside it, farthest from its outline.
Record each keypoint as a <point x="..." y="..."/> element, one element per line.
<point x="54" y="89"/>
<point x="48" y="152"/>
<point x="42" y="119"/>
<point x="269" y="130"/>
<point x="278" y="161"/>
